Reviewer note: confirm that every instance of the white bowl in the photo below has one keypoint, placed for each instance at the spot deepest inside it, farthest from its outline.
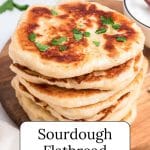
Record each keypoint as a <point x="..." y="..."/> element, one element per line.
<point x="139" y="11"/>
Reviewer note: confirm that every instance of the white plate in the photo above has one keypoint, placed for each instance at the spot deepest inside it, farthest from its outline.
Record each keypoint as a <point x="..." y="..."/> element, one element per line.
<point x="139" y="11"/>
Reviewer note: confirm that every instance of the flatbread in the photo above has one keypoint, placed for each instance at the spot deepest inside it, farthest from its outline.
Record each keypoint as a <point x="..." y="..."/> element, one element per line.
<point x="120" y="75"/>
<point x="118" y="112"/>
<point x="82" y="56"/>
<point x="34" y="112"/>
<point x="131" y="115"/>
<point x="62" y="97"/>
<point x="37" y="113"/>
<point x="84" y="111"/>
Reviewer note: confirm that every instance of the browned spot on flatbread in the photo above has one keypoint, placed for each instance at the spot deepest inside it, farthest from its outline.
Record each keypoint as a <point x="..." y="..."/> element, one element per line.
<point x="110" y="73"/>
<point x="65" y="57"/>
<point x="136" y="60"/>
<point x="106" y="111"/>
<point x="93" y="76"/>
<point x="62" y="92"/>
<point x="128" y="32"/>
<point x="109" y="110"/>
<point x="38" y="101"/>
<point x="37" y="12"/>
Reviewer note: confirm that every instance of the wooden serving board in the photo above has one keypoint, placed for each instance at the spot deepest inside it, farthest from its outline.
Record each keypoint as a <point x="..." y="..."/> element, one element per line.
<point x="140" y="130"/>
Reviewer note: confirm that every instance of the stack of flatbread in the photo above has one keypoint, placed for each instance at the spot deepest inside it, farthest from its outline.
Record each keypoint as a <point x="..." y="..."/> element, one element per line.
<point x="78" y="61"/>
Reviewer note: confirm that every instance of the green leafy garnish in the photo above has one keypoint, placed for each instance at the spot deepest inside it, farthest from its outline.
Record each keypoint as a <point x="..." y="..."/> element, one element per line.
<point x="32" y="37"/>
<point x="76" y="31"/>
<point x="77" y="34"/>
<point x="116" y="26"/>
<point x="58" y="41"/>
<point x="97" y="43"/>
<point x="20" y="7"/>
<point x="87" y="34"/>
<point x="78" y="37"/>
<point x="41" y="47"/>
<point x="53" y="12"/>
<point x="121" y="39"/>
<point x="106" y="20"/>
<point x="62" y="47"/>
<point x="101" y="30"/>
<point x="10" y="5"/>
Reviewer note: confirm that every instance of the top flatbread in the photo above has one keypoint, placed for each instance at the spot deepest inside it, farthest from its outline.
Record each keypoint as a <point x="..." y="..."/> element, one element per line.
<point x="82" y="56"/>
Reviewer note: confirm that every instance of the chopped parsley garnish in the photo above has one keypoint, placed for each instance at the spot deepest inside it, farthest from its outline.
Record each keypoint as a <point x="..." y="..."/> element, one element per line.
<point x="10" y="5"/>
<point x="87" y="34"/>
<point x="32" y="37"/>
<point x="106" y="20"/>
<point x="121" y="39"/>
<point x="58" y="41"/>
<point x="62" y="47"/>
<point x="109" y="21"/>
<point x="76" y="31"/>
<point x="78" y="37"/>
<point x="53" y="12"/>
<point x="41" y="47"/>
<point x="101" y="30"/>
<point x="77" y="34"/>
<point x="116" y="26"/>
<point x="97" y="43"/>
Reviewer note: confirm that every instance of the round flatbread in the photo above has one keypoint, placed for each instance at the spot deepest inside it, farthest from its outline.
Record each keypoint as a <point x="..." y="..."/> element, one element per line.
<point x="120" y="75"/>
<point x="74" y="39"/>
<point x="34" y="112"/>
<point x="131" y="115"/>
<point x="37" y="113"/>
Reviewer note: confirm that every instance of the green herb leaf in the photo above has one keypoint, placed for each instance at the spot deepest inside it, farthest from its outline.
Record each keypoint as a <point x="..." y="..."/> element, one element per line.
<point x="8" y="5"/>
<point x="121" y="39"/>
<point x="106" y="20"/>
<point x="76" y="31"/>
<point x="87" y="34"/>
<point x="41" y="47"/>
<point x="97" y="43"/>
<point x="53" y="12"/>
<point x="62" y="47"/>
<point x="20" y="7"/>
<point x="58" y="41"/>
<point x="78" y="37"/>
<point x="116" y="26"/>
<point x="32" y="37"/>
<point x="101" y="30"/>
